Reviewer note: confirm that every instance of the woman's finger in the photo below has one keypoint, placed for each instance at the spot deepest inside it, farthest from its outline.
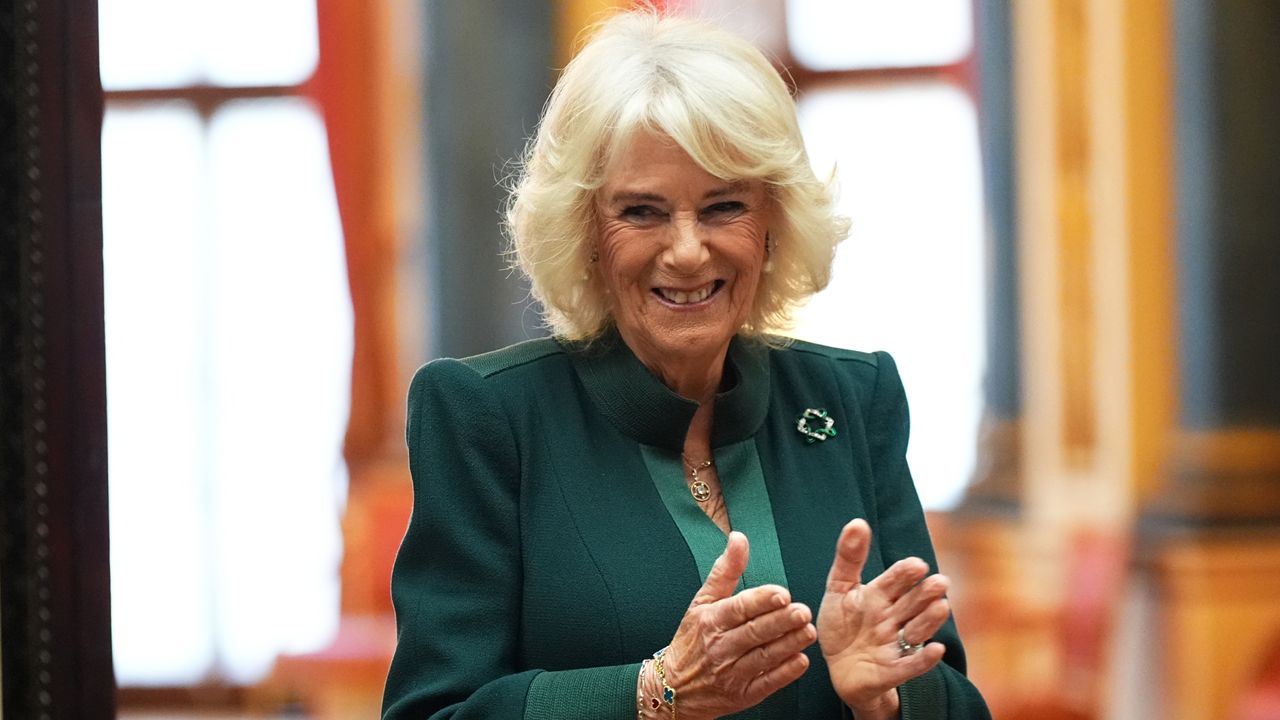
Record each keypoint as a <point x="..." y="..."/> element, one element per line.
<point x="851" y="555"/>
<point x="763" y="658"/>
<point x="764" y="628"/>
<point x="919" y="663"/>
<point x="915" y="600"/>
<point x="769" y="682"/>
<point x="726" y="572"/>
<point x="747" y="606"/>
<point x="923" y="626"/>
<point x="900" y="577"/>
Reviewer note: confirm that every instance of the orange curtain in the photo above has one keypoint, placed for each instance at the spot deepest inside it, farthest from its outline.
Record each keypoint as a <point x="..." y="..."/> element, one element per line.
<point x="350" y="86"/>
<point x="347" y="88"/>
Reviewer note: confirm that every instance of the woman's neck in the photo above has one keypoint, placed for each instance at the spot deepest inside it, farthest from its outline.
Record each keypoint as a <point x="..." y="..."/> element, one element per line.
<point x="696" y="383"/>
<point x="697" y="441"/>
<point x="694" y="377"/>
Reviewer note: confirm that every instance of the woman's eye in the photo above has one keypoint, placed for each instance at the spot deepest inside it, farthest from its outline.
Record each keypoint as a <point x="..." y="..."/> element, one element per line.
<point x="641" y="212"/>
<point x="727" y="208"/>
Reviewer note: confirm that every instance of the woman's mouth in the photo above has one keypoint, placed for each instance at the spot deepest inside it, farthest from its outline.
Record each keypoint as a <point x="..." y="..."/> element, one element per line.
<point x="674" y="296"/>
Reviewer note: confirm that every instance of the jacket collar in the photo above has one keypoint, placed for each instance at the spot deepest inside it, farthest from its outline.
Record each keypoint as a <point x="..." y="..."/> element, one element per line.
<point x="646" y="410"/>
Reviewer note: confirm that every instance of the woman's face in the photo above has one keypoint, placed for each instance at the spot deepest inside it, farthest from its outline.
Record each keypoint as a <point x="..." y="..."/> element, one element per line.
<point x="680" y="252"/>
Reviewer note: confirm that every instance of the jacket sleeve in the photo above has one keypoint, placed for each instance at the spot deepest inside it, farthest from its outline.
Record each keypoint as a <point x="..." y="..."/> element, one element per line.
<point x="944" y="691"/>
<point x="457" y="580"/>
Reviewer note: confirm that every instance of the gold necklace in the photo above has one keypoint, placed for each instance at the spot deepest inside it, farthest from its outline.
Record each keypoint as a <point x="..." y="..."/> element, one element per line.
<point x="700" y="490"/>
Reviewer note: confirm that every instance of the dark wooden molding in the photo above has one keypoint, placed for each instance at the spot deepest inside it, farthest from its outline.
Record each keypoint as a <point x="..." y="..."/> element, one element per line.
<point x="55" y="632"/>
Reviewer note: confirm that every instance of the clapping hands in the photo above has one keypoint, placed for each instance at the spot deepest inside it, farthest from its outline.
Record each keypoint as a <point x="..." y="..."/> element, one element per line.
<point x="732" y="651"/>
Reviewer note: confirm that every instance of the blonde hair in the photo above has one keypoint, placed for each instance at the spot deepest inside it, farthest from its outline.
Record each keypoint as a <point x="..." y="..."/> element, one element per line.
<point x="717" y="97"/>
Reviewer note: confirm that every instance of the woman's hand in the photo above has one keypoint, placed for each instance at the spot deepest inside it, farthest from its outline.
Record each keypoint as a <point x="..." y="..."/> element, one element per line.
<point x="858" y="625"/>
<point x="732" y="651"/>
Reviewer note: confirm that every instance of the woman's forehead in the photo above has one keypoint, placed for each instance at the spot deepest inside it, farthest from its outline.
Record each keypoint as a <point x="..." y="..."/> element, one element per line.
<point x="662" y="172"/>
<point x="652" y="155"/>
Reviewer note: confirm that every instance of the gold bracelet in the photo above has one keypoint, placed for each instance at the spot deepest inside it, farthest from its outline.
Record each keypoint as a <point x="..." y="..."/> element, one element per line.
<point x="646" y="697"/>
<point x="640" y="691"/>
<point x="668" y="692"/>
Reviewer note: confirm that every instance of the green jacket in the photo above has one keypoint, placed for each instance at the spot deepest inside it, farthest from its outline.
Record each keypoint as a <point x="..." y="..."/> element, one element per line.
<point x="553" y="543"/>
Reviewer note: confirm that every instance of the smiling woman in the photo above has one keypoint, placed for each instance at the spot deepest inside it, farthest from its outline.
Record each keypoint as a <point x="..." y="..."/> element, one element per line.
<point x="659" y="511"/>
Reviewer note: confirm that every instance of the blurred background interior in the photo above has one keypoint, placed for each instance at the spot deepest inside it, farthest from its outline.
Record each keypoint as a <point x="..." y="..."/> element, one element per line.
<point x="1073" y="203"/>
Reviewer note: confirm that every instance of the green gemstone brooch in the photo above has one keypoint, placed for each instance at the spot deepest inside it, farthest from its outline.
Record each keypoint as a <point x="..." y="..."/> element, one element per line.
<point x="816" y="425"/>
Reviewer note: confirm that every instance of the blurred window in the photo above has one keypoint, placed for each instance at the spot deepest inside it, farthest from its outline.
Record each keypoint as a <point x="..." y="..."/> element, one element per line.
<point x="229" y="345"/>
<point x="829" y="35"/>
<point x="232" y="43"/>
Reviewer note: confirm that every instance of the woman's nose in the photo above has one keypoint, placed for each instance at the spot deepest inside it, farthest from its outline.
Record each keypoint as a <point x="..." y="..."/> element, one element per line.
<point x="688" y="249"/>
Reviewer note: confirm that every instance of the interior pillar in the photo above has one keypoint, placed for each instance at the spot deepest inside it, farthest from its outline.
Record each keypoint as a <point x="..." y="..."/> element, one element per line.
<point x="1211" y="534"/>
<point x="488" y="71"/>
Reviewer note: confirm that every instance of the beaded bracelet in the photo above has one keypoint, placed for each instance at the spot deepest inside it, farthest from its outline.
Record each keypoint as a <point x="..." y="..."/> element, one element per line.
<point x="668" y="692"/>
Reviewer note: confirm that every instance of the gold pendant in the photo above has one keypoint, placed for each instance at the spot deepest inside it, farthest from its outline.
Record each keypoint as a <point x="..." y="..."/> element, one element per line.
<point x="701" y="491"/>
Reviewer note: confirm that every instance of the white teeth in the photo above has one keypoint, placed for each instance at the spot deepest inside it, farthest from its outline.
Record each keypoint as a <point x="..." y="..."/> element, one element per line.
<point x="679" y="297"/>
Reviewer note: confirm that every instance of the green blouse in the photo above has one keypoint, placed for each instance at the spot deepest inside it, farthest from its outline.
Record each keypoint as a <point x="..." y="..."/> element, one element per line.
<point x="554" y="544"/>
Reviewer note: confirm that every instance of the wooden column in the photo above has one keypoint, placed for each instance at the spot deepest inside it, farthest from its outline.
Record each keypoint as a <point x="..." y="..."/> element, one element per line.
<point x="1094" y="250"/>
<point x="1094" y="236"/>
<point x="1212" y="532"/>
<point x="978" y="541"/>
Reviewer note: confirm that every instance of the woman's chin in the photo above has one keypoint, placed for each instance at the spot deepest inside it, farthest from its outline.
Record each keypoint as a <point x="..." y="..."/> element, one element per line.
<point x="678" y="336"/>
<point x="691" y="341"/>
